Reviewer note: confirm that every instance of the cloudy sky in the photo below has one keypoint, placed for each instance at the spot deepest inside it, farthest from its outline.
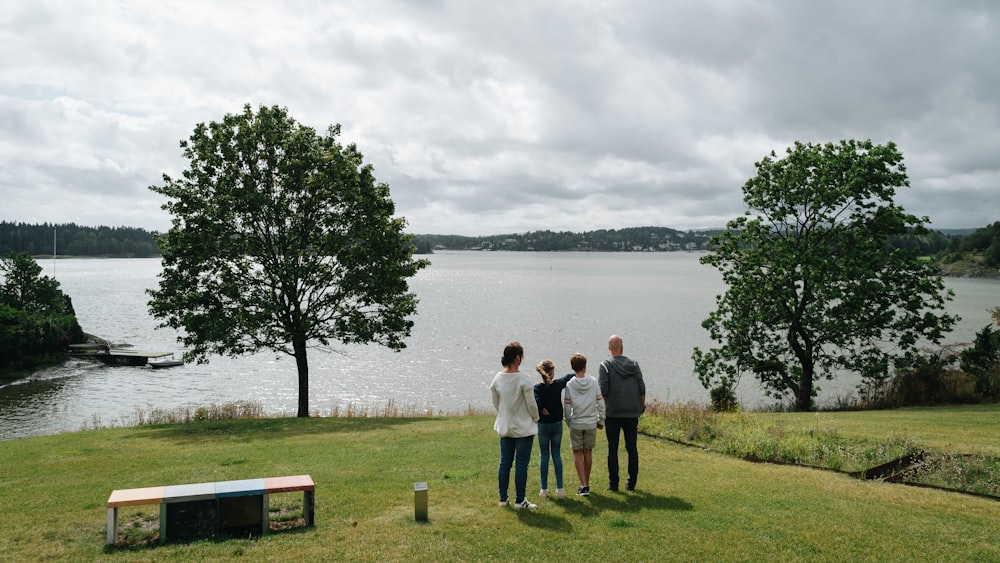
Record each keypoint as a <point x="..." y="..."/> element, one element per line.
<point x="503" y="117"/>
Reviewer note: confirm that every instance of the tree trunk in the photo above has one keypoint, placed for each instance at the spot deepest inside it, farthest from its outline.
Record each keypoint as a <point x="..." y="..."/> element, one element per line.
<point x="802" y="345"/>
<point x="302" y="363"/>
<point x="803" y="400"/>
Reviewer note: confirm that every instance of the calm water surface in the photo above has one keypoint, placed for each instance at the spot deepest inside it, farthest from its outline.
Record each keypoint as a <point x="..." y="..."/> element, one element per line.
<point x="471" y="304"/>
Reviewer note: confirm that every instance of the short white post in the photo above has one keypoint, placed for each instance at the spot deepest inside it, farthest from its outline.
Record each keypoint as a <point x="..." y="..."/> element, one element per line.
<point x="420" y="501"/>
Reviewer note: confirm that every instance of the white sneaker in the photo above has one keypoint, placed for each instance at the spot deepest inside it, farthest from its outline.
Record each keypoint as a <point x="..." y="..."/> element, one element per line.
<point x="543" y="493"/>
<point x="504" y="503"/>
<point x="560" y="493"/>
<point x="525" y="504"/>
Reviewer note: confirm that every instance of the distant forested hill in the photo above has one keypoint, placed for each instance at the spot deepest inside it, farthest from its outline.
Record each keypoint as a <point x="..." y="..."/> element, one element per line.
<point x="975" y="254"/>
<point x="73" y="240"/>
<point x="635" y="239"/>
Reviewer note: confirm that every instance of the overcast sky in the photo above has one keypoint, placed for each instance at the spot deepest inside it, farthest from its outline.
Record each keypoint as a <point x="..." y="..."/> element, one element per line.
<point x="503" y="117"/>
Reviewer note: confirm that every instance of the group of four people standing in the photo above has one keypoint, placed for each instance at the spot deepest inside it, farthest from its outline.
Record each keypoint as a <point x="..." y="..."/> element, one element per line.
<point x="614" y="401"/>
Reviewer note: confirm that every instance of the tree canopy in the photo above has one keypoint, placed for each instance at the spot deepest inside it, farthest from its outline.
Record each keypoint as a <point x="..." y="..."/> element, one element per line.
<point x="282" y="240"/>
<point x="36" y="318"/>
<point x="813" y="286"/>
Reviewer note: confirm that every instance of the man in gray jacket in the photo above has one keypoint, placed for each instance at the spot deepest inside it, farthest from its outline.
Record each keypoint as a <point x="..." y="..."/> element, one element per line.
<point x="624" y="394"/>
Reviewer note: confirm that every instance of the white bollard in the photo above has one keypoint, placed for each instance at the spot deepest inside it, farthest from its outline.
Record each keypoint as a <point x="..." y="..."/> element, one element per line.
<point x="420" y="501"/>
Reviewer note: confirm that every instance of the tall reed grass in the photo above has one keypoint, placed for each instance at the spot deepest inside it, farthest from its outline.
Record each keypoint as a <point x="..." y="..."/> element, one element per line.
<point x="248" y="410"/>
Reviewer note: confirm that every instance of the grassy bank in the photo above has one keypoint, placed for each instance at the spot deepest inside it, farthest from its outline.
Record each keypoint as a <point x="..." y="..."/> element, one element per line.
<point x="691" y="504"/>
<point x="952" y="447"/>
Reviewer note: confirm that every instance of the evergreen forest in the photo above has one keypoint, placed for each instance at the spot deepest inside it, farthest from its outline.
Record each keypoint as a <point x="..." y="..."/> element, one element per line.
<point x="71" y="239"/>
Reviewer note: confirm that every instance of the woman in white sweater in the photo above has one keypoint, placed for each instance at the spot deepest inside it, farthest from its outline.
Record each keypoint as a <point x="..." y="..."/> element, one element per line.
<point x="513" y="397"/>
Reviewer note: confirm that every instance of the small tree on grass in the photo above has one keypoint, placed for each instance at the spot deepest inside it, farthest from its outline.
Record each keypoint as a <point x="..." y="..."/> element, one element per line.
<point x="281" y="240"/>
<point x="813" y="286"/>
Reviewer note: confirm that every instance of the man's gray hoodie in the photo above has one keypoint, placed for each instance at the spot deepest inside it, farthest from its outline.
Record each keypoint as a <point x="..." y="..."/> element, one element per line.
<point x="622" y="387"/>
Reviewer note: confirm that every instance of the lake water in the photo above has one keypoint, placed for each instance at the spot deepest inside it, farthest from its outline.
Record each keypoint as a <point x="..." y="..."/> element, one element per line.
<point x="471" y="305"/>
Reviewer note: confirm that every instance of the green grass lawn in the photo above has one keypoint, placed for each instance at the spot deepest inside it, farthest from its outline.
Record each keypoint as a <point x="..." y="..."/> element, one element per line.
<point x="691" y="505"/>
<point x="972" y="428"/>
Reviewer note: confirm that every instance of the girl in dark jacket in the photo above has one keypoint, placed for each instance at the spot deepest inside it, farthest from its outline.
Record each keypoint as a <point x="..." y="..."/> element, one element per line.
<point x="548" y="397"/>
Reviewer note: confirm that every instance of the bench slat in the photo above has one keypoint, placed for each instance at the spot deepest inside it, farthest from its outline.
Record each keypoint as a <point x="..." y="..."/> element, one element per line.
<point x="131" y="497"/>
<point x="243" y="487"/>
<point x="289" y="484"/>
<point x="184" y="493"/>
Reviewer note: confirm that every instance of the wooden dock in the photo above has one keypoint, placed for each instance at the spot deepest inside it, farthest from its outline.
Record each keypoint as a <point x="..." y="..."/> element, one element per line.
<point x="130" y="357"/>
<point x="114" y="356"/>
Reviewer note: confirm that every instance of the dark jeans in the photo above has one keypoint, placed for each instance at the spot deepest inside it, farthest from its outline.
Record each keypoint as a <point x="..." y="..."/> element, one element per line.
<point x="550" y="444"/>
<point x="511" y="448"/>
<point x="630" y="428"/>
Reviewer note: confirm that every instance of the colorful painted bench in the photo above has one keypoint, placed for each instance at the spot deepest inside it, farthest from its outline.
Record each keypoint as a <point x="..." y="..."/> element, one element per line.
<point x="211" y="507"/>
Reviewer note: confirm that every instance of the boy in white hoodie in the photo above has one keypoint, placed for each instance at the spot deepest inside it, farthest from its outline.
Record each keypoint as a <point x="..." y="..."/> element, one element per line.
<point x="583" y="409"/>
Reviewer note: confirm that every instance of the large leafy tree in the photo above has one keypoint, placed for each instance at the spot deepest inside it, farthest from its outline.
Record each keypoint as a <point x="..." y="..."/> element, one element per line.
<point x="282" y="240"/>
<point x="813" y="288"/>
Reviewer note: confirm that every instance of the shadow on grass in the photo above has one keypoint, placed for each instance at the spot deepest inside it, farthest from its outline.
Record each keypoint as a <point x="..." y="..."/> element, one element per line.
<point x="597" y="504"/>
<point x="146" y="542"/>
<point x="268" y="428"/>
<point x="545" y="519"/>
<point x="635" y="501"/>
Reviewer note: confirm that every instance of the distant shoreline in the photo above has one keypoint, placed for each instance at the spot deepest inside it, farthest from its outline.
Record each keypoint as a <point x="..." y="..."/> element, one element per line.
<point x="961" y="269"/>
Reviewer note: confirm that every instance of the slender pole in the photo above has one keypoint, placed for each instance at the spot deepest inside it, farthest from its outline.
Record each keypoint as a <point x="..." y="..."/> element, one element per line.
<point x="53" y="253"/>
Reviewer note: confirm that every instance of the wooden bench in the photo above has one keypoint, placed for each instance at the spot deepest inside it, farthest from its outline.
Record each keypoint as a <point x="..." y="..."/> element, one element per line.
<point x="213" y="507"/>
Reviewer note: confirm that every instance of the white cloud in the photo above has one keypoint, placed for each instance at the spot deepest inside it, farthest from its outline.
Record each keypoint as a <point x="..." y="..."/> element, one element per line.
<point x="503" y="117"/>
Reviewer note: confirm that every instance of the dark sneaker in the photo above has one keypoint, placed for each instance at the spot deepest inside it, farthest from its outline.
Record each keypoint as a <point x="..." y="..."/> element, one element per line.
<point x="613" y="488"/>
<point x="630" y="487"/>
<point x="583" y="491"/>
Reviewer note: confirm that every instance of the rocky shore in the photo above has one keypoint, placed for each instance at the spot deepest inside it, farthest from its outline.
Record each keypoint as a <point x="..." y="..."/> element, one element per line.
<point x="969" y="269"/>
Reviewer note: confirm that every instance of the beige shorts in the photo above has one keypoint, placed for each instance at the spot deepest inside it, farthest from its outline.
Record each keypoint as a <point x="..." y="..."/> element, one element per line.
<point x="582" y="439"/>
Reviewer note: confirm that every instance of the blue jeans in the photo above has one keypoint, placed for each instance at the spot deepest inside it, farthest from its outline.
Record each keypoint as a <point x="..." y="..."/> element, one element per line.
<point x="511" y="448"/>
<point x="614" y="428"/>
<point x="550" y="442"/>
